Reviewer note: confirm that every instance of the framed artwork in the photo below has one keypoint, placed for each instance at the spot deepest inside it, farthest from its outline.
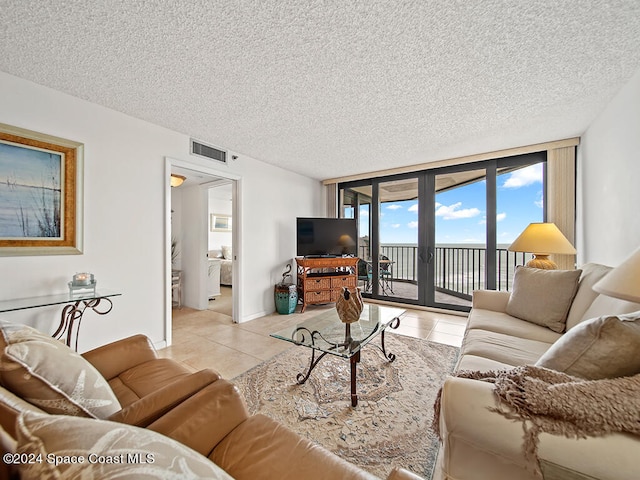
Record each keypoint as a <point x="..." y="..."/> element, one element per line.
<point x="40" y="193"/>
<point x="220" y="223"/>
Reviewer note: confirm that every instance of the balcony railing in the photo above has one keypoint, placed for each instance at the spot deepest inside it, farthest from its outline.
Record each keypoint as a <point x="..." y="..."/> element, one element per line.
<point x="459" y="270"/>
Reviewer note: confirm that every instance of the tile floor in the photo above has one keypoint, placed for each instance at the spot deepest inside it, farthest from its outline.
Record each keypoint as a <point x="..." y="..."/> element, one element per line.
<point x="207" y="339"/>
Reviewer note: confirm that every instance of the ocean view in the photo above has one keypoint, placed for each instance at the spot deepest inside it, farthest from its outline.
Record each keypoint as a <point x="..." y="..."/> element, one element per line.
<point x="459" y="267"/>
<point x="23" y="212"/>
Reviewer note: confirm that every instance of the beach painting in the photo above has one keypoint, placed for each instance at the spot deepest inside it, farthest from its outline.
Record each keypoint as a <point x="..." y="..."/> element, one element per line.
<point x="30" y="192"/>
<point x="38" y="201"/>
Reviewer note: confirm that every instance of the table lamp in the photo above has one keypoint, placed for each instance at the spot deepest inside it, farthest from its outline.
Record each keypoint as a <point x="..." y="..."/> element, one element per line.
<point x="623" y="281"/>
<point x="542" y="239"/>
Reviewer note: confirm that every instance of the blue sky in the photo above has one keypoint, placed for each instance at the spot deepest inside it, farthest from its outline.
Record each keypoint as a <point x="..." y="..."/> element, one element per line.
<point x="461" y="212"/>
<point x="29" y="166"/>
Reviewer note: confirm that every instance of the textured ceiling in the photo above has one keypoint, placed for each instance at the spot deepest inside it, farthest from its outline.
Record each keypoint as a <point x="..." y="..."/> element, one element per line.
<point x="333" y="87"/>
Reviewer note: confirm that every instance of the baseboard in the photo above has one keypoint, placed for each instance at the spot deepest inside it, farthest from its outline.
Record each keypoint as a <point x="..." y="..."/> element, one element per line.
<point x="254" y="316"/>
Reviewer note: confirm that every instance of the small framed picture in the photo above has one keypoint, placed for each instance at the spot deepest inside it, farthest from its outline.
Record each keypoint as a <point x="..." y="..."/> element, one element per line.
<point x="220" y="223"/>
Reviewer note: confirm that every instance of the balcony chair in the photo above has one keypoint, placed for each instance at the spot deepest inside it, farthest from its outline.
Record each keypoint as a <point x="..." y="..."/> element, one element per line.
<point x="386" y="275"/>
<point x="364" y="274"/>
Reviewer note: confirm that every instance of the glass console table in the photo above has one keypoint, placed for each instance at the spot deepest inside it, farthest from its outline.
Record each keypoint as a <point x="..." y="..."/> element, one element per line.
<point x="74" y="307"/>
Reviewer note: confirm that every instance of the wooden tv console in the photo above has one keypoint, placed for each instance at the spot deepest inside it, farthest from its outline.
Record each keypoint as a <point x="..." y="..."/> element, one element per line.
<point x="320" y="280"/>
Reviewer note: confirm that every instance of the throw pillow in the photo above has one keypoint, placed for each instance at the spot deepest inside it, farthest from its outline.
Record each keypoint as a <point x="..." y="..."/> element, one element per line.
<point x="46" y="373"/>
<point x="603" y="347"/>
<point x="226" y="252"/>
<point x="90" y="448"/>
<point x="543" y="297"/>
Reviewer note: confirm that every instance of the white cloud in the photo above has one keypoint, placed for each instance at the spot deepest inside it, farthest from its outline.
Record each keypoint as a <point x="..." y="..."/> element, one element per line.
<point x="395" y="225"/>
<point x="500" y="217"/>
<point x="394" y="206"/>
<point x="452" y="212"/>
<point x="364" y="213"/>
<point x="539" y="203"/>
<point x="412" y="224"/>
<point x="524" y="177"/>
<point x="414" y="208"/>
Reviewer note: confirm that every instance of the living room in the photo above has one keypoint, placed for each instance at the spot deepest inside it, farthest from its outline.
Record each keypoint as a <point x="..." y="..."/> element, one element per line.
<point x="128" y="156"/>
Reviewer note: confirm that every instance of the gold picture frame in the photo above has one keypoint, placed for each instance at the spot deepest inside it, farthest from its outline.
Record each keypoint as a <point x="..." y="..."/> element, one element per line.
<point x="220" y="222"/>
<point x="41" y="191"/>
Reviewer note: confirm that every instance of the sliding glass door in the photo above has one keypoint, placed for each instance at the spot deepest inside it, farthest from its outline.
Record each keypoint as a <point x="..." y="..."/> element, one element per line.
<point x="433" y="237"/>
<point x="459" y="219"/>
<point x="397" y="233"/>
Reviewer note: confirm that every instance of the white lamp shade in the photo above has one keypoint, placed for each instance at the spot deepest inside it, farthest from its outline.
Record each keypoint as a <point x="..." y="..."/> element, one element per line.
<point x="623" y="281"/>
<point x="542" y="238"/>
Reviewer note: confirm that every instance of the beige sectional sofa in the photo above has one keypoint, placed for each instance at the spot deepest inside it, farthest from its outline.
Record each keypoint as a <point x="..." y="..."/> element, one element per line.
<point x="478" y="443"/>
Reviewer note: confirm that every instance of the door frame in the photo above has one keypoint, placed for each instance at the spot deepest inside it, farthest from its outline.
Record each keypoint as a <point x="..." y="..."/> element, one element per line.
<point x="236" y="181"/>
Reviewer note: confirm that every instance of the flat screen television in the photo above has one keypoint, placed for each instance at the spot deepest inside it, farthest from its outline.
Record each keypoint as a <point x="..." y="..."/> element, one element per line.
<point x="326" y="237"/>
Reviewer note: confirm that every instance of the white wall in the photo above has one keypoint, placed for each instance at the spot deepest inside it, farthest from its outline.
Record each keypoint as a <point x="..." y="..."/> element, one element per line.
<point x="124" y="224"/>
<point x="608" y="181"/>
<point x="193" y="239"/>
<point x="220" y="203"/>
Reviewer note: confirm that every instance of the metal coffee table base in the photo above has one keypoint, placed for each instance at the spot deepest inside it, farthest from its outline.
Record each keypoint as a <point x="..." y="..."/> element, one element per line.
<point x="354" y="359"/>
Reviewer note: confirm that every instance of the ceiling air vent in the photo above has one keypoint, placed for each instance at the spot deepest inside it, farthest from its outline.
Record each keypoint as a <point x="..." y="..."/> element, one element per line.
<point x="207" y="151"/>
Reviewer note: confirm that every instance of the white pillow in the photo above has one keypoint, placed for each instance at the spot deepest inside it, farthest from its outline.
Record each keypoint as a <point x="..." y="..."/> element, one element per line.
<point x="226" y="252"/>
<point x="106" y="450"/>
<point x="45" y="372"/>
<point x="543" y="297"/>
<point x="603" y="347"/>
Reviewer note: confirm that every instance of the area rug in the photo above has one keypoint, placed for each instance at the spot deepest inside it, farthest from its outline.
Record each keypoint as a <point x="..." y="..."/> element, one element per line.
<point x="389" y="427"/>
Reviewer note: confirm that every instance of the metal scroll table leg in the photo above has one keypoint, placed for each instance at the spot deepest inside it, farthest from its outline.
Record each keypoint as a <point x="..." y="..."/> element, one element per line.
<point x="303" y="377"/>
<point x="72" y="316"/>
<point x="354" y="363"/>
<point x="395" y="323"/>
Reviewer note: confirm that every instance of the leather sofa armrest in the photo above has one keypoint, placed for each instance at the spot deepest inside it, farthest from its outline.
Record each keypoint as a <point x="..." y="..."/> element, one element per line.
<point x="150" y="408"/>
<point x="260" y="448"/>
<point x="204" y="419"/>
<point x="402" y="474"/>
<point x="116" y="357"/>
<point x="490" y="300"/>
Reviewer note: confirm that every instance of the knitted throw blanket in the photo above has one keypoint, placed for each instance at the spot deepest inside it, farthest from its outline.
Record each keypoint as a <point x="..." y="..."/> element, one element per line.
<point x="556" y="403"/>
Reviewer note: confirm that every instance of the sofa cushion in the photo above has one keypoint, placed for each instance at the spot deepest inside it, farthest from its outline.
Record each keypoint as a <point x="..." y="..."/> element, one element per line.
<point x="478" y="364"/>
<point x="500" y="322"/>
<point x="591" y="274"/>
<point x="502" y="348"/>
<point x="605" y="305"/>
<point x="106" y="450"/>
<point x="603" y="347"/>
<point x="145" y="378"/>
<point x="543" y="297"/>
<point x="48" y="374"/>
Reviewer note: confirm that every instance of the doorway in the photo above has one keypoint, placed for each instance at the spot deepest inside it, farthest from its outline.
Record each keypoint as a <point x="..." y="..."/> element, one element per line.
<point x="191" y="224"/>
<point x="220" y="247"/>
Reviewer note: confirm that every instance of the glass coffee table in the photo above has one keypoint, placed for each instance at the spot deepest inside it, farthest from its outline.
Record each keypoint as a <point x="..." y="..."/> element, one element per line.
<point x="326" y="334"/>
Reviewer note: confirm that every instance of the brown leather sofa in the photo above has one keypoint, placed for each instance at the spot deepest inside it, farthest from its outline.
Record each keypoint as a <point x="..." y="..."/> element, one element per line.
<point x="204" y="412"/>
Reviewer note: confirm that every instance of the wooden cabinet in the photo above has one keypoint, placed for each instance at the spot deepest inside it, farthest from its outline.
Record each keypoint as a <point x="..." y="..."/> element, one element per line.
<point x="320" y="280"/>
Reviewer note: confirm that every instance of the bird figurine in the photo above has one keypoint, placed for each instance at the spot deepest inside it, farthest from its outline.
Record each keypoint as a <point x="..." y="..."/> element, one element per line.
<point x="349" y="305"/>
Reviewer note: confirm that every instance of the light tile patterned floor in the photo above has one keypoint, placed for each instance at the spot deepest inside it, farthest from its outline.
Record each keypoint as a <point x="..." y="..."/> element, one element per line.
<point x="207" y="339"/>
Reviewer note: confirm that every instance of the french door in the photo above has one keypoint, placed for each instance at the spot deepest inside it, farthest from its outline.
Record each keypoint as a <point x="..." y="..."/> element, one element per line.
<point x="432" y="237"/>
